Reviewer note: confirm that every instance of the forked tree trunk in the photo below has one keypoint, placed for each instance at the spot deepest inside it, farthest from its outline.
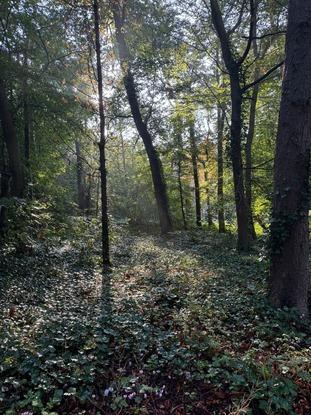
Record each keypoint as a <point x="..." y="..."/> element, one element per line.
<point x="289" y="275"/>
<point x="130" y="87"/>
<point x="10" y="138"/>
<point x="220" y="170"/>
<point x="233" y="66"/>
<point x="194" y="160"/>
<point x="102" y="142"/>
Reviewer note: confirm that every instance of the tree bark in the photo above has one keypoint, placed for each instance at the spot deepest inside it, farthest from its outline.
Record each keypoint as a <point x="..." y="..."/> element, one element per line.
<point x="154" y="160"/>
<point x="289" y="272"/>
<point x="181" y="194"/>
<point x="102" y="142"/>
<point x="220" y="170"/>
<point x="26" y="129"/>
<point x="26" y="111"/>
<point x="10" y="138"/>
<point x="207" y="190"/>
<point x="194" y="160"/>
<point x="233" y="66"/>
<point x="237" y="164"/>
<point x="248" y="156"/>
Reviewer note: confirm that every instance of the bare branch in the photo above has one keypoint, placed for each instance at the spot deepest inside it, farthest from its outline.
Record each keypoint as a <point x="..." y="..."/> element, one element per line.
<point x="263" y="77"/>
<point x="252" y="31"/>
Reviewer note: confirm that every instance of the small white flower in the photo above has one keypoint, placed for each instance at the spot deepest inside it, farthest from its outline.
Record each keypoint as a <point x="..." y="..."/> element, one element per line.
<point x="107" y="391"/>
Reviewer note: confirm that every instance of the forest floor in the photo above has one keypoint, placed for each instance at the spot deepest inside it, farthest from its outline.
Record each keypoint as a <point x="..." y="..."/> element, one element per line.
<point x="180" y="326"/>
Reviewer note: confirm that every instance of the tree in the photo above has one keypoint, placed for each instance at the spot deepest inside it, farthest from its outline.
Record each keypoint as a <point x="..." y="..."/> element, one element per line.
<point x="220" y="169"/>
<point x="289" y="274"/>
<point x="236" y="72"/>
<point x="10" y="138"/>
<point x="102" y="141"/>
<point x="194" y="161"/>
<point x="159" y="184"/>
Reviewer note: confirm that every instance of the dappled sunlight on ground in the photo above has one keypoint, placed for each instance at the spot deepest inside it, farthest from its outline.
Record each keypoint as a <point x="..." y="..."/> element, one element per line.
<point x="180" y="325"/>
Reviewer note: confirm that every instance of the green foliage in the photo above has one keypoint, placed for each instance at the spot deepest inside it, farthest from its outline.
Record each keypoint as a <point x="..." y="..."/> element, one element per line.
<point x="175" y="319"/>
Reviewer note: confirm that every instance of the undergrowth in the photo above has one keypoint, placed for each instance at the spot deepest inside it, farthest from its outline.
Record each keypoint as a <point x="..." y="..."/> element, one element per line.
<point x="180" y="326"/>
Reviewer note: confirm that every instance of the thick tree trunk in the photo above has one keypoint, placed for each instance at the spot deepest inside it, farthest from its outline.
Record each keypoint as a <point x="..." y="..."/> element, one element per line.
<point x="248" y="155"/>
<point x="220" y="170"/>
<point x="102" y="143"/>
<point x="237" y="164"/>
<point x="82" y="197"/>
<point x="154" y="160"/>
<point x="289" y="277"/>
<point x="194" y="160"/>
<point x="10" y="138"/>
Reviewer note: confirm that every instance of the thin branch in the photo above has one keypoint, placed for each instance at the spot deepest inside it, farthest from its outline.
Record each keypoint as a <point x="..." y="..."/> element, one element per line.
<point x="263" y="77"/>
<point x="239" y="21"/>
<point x="252" y="31"/>
<point x="280" y="32"/>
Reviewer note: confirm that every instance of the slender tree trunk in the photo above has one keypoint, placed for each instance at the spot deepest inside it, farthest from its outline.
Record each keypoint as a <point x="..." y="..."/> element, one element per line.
<point x="289" y="275"/>
<point x="26" y="129"/>
<point x="207" y="190"/>
<point x="194" y="160"/>
<point x="4" y="190"/>
<point x="249" y="142"/>
<point x="97" y="197"/>
<point x="237" y="165"/>
<point x="10" y="138"/>
<point x="220" y="170"/>
<point x="88" y="195"/>
<point x="181" y="195"/>
<point x="80" y="178"/>
<point x="154" y="160"/>
<point x="248" y="156"/>
<point x="102" y="142"/>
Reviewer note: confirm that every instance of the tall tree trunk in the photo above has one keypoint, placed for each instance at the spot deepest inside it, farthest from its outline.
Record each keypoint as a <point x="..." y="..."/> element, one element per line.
<point x="237" y="164"/>
<point x="179" y="156"/>
<point x="234" y="66"/>
<point x="80" y="178"/>
<point x="154" y="160"/>
<point x="207" y="190"/>
<point x="194" y="160"/>
<point x="249" y="141"/>
<point x="26" y="111"/>
<point x="102" y="142"/>
<point x="26" y="129"/>
<point x="289" y="275"/>
<point x="10" y="138"/>
<point x="181" y="194"/>
<point x="248" y="155"/>
<point x="220" y="170"/>
<point x="4" y="189"/>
